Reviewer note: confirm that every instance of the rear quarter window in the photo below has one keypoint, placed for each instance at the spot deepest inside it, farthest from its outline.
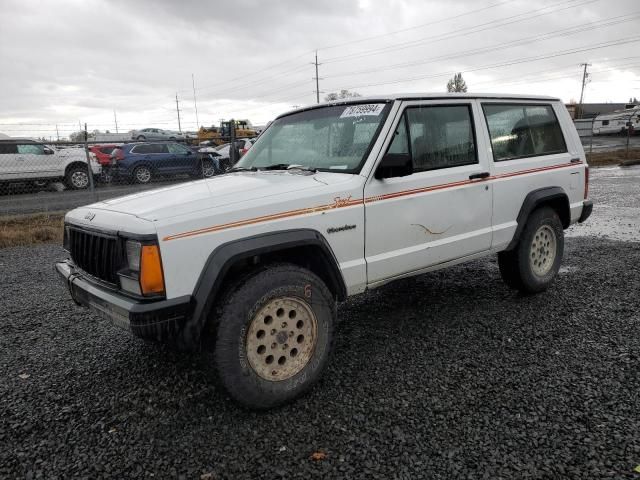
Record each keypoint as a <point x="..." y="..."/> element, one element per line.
<point x="523" y="130"/>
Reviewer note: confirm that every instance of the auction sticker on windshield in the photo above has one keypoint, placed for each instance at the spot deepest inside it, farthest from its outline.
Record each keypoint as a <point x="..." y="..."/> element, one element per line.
<point x="372" y="109"/>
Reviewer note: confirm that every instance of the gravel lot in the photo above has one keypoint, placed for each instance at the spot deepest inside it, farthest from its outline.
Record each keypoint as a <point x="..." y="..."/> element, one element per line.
<point x="449" y="375"/>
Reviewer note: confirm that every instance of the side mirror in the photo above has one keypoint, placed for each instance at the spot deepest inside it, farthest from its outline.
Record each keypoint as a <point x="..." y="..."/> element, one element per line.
<point x="48" y="151"/>
<point x="394" y="165"/>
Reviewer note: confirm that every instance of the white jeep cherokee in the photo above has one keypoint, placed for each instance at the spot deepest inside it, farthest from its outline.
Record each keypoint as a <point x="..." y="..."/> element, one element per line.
<point x="332" y="200"/>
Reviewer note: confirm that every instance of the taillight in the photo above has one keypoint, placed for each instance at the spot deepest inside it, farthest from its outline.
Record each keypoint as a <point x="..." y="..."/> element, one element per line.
<point x="586" y="182"/>
<point x="118" y="154"/>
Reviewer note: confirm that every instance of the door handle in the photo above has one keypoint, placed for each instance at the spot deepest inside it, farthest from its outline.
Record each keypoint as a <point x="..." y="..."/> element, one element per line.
<point x="480" y="176"/>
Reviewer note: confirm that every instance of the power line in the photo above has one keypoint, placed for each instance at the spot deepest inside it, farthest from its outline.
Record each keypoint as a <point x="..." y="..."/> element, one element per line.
<point x="435" y="22"/>
<point x="546" y="36"/>
<point x="462" y="31"/>
<point x="597" y="46"/>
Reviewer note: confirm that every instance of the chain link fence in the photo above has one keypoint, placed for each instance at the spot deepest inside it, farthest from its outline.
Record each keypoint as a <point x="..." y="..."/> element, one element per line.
<point x="40" y="181"/>
<point x="610" y="141"/>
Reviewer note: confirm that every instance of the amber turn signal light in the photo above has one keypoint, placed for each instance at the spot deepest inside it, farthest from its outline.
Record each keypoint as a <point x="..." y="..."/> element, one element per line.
<point x="151" y="277"/>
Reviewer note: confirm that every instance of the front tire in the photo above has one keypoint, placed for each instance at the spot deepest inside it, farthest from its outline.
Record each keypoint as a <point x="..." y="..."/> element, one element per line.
<point x="208" y="168"/>
<point x="534" y="263"/>
<point x="274" y="335"/>
<point x="142" y="175"/>
<point x="77" y="178"/>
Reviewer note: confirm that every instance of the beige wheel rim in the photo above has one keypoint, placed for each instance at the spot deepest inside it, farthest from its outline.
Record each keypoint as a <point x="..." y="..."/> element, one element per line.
<point x="281" y="338"/>
<point x="543" y="250"/>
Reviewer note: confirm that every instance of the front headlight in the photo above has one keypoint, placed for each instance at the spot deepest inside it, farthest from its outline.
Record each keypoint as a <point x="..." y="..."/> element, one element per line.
<point x="144" y="275"/>
<point x="65" y="239"/>
<point x="133" y="255"/>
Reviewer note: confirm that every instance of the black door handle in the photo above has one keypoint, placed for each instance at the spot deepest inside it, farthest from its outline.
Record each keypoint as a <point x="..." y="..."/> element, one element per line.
<point x="479" y="175"/>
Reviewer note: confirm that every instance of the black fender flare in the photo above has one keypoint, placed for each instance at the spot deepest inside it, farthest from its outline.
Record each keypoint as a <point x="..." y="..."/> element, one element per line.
<point x="224" y="256"/>
<point x="532" y="201"/>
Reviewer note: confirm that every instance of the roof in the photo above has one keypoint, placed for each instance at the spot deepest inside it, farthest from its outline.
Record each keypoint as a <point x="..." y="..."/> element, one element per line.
<point x="425" y="96"/>
<point x="18" y="139"/>
<point x="438" y="95"/>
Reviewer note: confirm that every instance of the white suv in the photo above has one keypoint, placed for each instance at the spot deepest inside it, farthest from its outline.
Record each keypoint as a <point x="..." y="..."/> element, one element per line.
<point x="331" y="200"/>
<point x="27" y="161"/>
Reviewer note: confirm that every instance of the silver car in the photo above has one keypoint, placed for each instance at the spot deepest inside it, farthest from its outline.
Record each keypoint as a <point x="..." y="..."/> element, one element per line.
<point x="155" y="134"/>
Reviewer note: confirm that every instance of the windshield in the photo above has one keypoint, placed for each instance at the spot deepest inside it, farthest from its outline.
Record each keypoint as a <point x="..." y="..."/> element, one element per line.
<point x="335" y="138"/>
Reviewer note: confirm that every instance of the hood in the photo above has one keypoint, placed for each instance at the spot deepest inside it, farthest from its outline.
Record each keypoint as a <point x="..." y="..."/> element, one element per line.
<point x="216" y="192"/>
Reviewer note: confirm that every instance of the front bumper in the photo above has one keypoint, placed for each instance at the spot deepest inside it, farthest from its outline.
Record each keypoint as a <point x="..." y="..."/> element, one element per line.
<point x="587" y="208"/>
<point x="161" y="320"/>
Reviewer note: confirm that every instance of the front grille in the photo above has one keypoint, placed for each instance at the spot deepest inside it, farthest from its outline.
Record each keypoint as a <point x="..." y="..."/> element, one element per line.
<point x="98" y="254"/>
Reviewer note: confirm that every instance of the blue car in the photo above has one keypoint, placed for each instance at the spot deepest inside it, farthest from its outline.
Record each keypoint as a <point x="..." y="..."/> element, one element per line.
<point x="141" y="162"/>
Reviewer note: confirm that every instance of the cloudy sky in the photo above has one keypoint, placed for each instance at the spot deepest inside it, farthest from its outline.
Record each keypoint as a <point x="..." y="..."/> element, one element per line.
<point x="66" y="61"/>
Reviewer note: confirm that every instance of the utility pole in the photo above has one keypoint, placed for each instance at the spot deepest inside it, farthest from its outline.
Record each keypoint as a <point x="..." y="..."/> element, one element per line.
<point x="317" y="78"/>
<point x="585" y="76"/>
<point x="178" y="110"/>
<point x="195" y="104"/>
<point x="115" y="120"/>
<point x="57" y="133"/>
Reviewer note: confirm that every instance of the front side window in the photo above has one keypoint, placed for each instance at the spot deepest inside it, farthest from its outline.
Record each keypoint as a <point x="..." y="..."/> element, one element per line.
<point x="176" y="149"/>
<point x="334" y="138"/>
<point x="8" y="148"/>
<point x="31" y="149"/>
<point x="521" y="131"/>
<point x="439" y="136"/>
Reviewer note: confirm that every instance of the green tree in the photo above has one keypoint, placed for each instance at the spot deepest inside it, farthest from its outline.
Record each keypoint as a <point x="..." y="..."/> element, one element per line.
<point x="457" y="84"/>
<point x="341" y="95"/>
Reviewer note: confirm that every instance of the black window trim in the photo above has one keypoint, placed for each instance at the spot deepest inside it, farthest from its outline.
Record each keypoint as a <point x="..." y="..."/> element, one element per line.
<point x="469" y="106"/>
<point x="520" y="104"/>
<point x="388" y="105"/>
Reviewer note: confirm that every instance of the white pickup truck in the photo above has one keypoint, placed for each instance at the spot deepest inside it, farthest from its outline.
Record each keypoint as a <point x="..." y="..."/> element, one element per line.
<point x="23" y="160"/>
<point x="331" y="200"/>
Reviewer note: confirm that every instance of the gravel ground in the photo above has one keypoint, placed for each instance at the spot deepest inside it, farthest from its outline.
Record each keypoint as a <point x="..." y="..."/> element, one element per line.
<point x="449" y="375"/>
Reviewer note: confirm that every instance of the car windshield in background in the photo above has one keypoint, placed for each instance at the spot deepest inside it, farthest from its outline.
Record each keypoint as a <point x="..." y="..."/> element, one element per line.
<point x="334" y="138"/>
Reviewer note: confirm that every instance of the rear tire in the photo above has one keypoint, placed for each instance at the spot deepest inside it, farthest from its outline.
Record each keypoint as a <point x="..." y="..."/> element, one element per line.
<point x="273" y="335"/>
<point x="533" y="264"/>
<point x="141" y="138"/>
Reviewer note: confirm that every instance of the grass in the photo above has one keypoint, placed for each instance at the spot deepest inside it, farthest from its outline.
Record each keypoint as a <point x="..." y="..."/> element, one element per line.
<point x="614" y="157"/>
<point x="31" y="229"/>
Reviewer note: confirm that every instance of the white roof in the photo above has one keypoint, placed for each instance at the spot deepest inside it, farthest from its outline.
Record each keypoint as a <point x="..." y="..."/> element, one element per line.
<point x="436" y="95"/>
<point x="426" y="96"/>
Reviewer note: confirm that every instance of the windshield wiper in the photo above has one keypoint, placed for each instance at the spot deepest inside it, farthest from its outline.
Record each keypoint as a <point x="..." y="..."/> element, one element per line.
<point x="286" y="166"/>
<point x="241" y="169"/>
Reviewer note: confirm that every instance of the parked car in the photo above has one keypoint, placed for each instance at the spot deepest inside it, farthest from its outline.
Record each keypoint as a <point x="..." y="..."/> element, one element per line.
<point x="103" y="153"/>
<point x="24" y="160"/>
<point x="155" y="134"/>
<point x="141" y="162"/>
<point x="331" y="201"/>
<point x="219" y="155"/>
<point x="243" y="145"/>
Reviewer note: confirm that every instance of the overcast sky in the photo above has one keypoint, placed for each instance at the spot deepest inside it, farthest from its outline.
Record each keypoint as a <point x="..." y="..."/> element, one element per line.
<point x="66" y="61"/>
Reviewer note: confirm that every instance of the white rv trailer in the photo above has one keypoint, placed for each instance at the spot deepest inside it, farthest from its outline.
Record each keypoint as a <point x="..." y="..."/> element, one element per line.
<point x="617" y="122"/>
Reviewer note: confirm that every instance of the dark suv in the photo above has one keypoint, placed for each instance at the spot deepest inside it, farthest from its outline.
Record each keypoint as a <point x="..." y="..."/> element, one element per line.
<point x="140" y="162"/>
